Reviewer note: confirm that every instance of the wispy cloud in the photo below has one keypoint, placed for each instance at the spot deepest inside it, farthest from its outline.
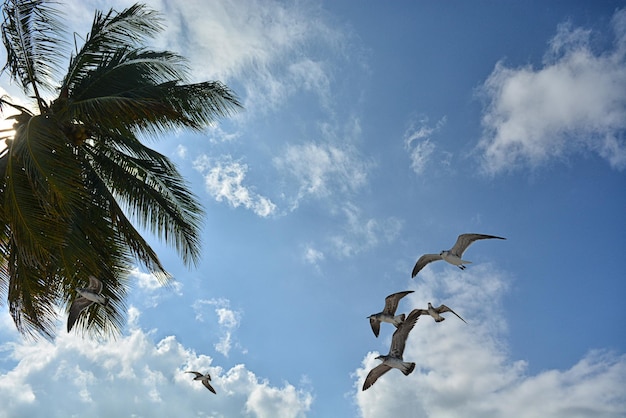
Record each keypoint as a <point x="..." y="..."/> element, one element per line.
<point x="227" y="319"/>
<point x="224" y="179"/>
<point x="261" y="47"/>
<point x="576" y="102"/>
<point x="258" y="43"/>
<point x="464" y="370"/>
<point x="313" y="255"/>
<point x="133" y="376"/>
<point x="150" y="282"/>
<point x="320" y="169"/>
<point x="417" y="141"/>
<point x="153" y="289"/>
<point x="361" y="233"/>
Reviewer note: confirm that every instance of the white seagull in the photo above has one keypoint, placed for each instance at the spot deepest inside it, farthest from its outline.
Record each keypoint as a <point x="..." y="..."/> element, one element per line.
<point x="394" y="358"/>
<point x="389" y="313"/>
<point x="454" y="254"/>
<point x="205" y="378"/>
<point x="88" y="296"/>
<point x="435" y="312"/>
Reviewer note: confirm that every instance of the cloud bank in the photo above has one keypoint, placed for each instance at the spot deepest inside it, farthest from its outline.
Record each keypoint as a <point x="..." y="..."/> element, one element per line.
<point x="133" y="376"/>
<point x="465" y="370"/>
<point x="576" y="102"/>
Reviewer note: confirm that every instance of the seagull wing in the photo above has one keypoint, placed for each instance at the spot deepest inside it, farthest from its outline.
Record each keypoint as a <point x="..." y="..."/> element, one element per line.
<point x="398" y="340"/>
<point x="375" y="324"/>
<point x="465" y="240"/>
<point x="423" y="260"/>
<point x="444" y="308"/>
<point x="208" y="386"/>
<point x="421" y="312"/>
<point x="95" y="285"/>
<point x="79" y="304"/>
<point x="391" y="301"/>
<point x="374" y="374"/>
<point x="196" y="373"/>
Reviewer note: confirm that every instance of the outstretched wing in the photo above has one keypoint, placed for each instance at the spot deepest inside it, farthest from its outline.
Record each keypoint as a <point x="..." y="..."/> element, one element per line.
<point x="465" y="240"/>
<point x="374" y="374"/>
<point x="79" y="304"/>
<point x="444" y="308"/>
<point x="391" y="301"/>
<point x="419" y="312"/>
<point x="208" y="386"/>
<point x="398" y="340"/>
<point x="375" y="324"/>
<point x="196" y="373"/>
<point x="422" y="261"/>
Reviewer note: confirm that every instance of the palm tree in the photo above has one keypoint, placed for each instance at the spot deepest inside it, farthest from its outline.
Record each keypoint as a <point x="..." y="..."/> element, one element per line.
<point x="75" y="171"/>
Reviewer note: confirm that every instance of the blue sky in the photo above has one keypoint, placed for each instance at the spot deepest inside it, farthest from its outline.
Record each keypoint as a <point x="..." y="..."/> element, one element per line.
<point x="374" y="133"/>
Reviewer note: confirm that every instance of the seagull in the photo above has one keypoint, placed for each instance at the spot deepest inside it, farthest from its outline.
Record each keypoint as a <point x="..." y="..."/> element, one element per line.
<point x="454" y="254"/>
<point x="434" y="312"/>
<point x="88" y="296"/>
<point x="205" y="378"/>
<point x="388" y="314"/>
<point x="394" y="358"/>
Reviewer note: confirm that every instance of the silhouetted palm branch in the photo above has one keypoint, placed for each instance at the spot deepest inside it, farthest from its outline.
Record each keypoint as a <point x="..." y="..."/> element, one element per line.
<point x="75" y="178"/>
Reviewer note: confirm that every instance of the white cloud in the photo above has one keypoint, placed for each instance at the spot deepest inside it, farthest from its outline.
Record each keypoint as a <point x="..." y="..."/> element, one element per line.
<point x="313" y="255"/>
<point x="262" y="46"/>
<point x="464" y="370"/>
<point x="576" y="102"/>
<point x="133" y="376"/>
<point x="322" y="169"/>
<point x="181" y="151"/>
<point x="268" y="402"/>
<point x="419" y="145"/>
<point x="154" y="289"/>
<point x="420" y="154"/>
<point x="361" y="234"/>
<point x="150" y="282"/>
<point x="259" y="43"/>
<point x="224" y="181"/>
<point x="227" y="319"/>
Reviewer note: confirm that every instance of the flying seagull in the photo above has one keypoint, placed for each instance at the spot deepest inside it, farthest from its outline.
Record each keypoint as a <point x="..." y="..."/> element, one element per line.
<point x="88" y="296"/>
<point x="389" y="313"/>
<point x="205" y="378"/>
<point x="435" y="312"/>
<point x="394" y="358"/>
<point x="454" y="254"/>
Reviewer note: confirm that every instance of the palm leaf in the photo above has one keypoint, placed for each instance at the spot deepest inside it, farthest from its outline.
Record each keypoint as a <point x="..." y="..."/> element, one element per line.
<point x="74" y="176"/>
<point x="140" y="90"/>
<point x="156" y="195"/>
<point x="33" y="38"/>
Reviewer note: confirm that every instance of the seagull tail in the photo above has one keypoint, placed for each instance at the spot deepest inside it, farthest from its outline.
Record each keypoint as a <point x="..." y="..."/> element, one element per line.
<point x="408" y="368"/>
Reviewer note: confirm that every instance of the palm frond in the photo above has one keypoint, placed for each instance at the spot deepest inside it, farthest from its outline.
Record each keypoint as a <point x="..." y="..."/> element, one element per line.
<point x="125" y="233"/>
<point x="156" y="196"/>
<point x="33" y="38"/>
<point x="139" y="89"/>
<point x="32" y="299"/>
<point x="50" y="163"/>
<point x="111" y="32"/>
<point x="103" y="254"/>
<point x="76" y="183"/>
